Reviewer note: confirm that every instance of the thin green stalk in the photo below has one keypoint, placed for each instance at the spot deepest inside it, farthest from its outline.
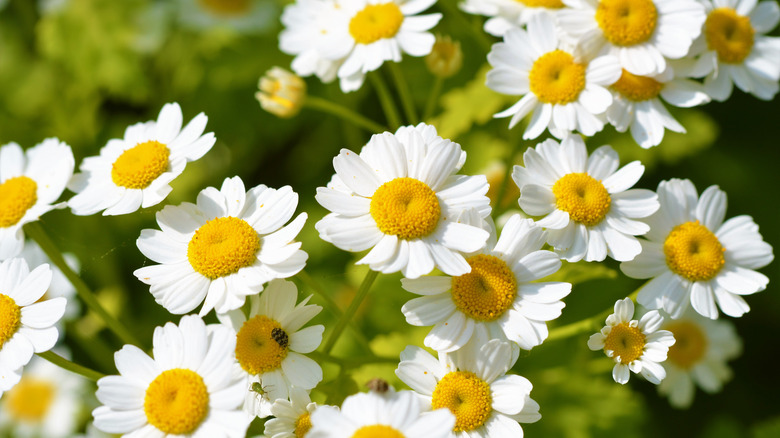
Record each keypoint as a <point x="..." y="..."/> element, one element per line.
<point x="589" y="325"/>
<point x="36" y="232"/>
<point x="507" y="174"/>
<point x="61" y="362"/>
<point x="403" y="91"/>
<point x="433" y="98"/>
<point x="343" y="112"/>
<point x="388" y="105"/>
<point x="361" y="294"/>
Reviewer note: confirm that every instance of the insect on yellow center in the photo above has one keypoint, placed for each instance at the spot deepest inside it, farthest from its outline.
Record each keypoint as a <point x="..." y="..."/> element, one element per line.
<point x="302" y="425"/>
<point x="637" y="88"/>
<point x="261" y="345"/>
<point x="547" y="4"/>
<point x="17" y="195"/>
<point x="487" y="291"/>
<point x="30" y="399"/>
<point x="627" y="22"/>
<point x="222" y="246"/>
<point x="729" y="34"/>
<point x="226" y="7"/>
<point x="10" y="318"/>
<point x="177" y="401"/>
<point x="375" y="22"/>
<point x="405" y="207"/>
<point x="377" y="431"/>
<point x="583" y="197"/>
<point x="466" y="396"/>
<point x="689" y="346"/>
<point x="627" y="342"/>
<point x="556" y="79"/>
<point x="693" y="252"/>
<point x="140" y="165"/>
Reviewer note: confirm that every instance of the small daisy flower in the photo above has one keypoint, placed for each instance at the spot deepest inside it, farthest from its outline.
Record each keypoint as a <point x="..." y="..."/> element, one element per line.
<point x="507" y="14"/>
<point x="26" y="323"/>
<point x="222" y="249"/>
<point x="401" y="197"/>
<point x="247" y="16"/>
<point x="374" y="415"/>
<point x="188" y="388"/>
<point x="281" y="93"/>
<point x="271" y="343"/>
<point x="698" y="357"/>
<point x="30" y="182"/>
<point x="292" y="417"/>
<point x="637" y="346"/>
<point x="693" y="256"/>
<point x="472" y="383"/>
<point x="643" y="34"/>
<point x="136" y="171"/>
<point x="563" y="87"/>
<point x="589" y="211"/>
<point x="501" y="293"/>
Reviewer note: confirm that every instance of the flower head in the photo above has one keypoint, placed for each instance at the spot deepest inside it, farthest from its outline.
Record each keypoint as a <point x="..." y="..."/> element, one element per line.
<point x="281" y="93"/>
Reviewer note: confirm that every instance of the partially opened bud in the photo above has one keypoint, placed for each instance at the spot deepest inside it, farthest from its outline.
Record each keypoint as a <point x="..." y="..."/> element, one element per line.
<point x="445" y="58"/>
<point x="281" y="92"/>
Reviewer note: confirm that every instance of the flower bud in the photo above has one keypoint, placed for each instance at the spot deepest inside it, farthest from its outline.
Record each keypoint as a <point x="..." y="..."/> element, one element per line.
<point x="445" y="58"/>
<point x="281" y="92"/>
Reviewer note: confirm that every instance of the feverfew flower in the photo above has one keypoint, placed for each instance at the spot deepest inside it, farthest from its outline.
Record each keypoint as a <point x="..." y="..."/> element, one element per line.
<point x="562" y="86"/>
<point x="507" y="14"/>
<point x="222" y="249"/>
<point x="188" y="388"/>
<point x="307" y="24"/>
<point x="693" y="256"/>
<point x="500" y="295"/>
<point x="589" y="211"/>
<point x="30" y="182"/>
<point x="135" y="171"/>
<point x="292" y="418"/>
<point x="638" y="346"/>
<point x="281" y="93"/>
<point x="401" y="197"/>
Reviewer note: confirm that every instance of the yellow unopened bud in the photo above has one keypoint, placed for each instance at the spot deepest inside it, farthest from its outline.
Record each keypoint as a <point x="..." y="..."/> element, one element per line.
<point x="281" y="92"/>
<point x="445" y="58"/>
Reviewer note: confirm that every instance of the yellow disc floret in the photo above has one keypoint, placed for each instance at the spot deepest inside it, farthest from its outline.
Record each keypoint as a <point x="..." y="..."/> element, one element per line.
<point x="140" y="165"/>
<point x="627" y="22"/>
<point x="302" y="425"/>
<point x="10" y="318"/>
<point x="29" y="401"/>
<point x="690" y="344"/>
<point x="466" y="396"/>
<point x="693" y="252"/>
<point x="556" y="79"/>
<point x="17" y="195"/>
<point x="487" y="291"/>
<point x="177" y="401"/>
<point x="227" y="8"/>
<point x="627" y="342"/>
<point x="637" y="88"/>
<point x="222" y="246"/>
<point x="376" y="22"/>
<point x="261" y="345"/>
<point x="405" y="207"/>
<point x="547" y="4"/>
<point x="377" y="431"/>
<point x="583" y="197"/>
<point x="729" y="34"/>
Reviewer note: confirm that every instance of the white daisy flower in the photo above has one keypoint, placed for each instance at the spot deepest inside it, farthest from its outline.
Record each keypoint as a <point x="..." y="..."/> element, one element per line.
<point x="563" y="87"/>
<point x="694" y="257"/>
<point x="135" y="171"/>
<point x="472" y="383"/>
<point x="508" y="14"/>
<point x="589" y="211"/>
<point x="292" y="418"/>
<point x="30" y="182"/>
<point x="387" y="415"/>
<point x="270" y="345"/>
<point x="222" y="249"/>
<point x="637" y="104"/>
<point x="698" y="357"/>
<point x="26" y="324"/>
<point x="187" y="389"/>
<point x="500" y="295"/>
<point x="247" y="16"/>
<point x="637" y="346"/>
<point x="643" y="34"/>
<point x="401" y="197"/>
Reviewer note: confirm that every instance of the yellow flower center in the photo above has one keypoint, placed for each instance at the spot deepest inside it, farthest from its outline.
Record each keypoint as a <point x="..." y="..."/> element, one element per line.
<point x="138" y="166"/>
<point x="583" y="197"/>
<point x="555" y="78"/>
<point x="17" y="195"/>
<point x="10" y="318"/>
<point x="261" y="345"/>
<point x="377" y="431"/>
<point x="627" y="22"/>
<point x="176" y="401"/>
<point x="405" y="207"/>
<point x="376" y="22"/>
<point x="729" y="34"/>
<point x="627" y="342"/>
<point x="222" y="246"/>
<point x="226" y="7"/>
<point x="548" y="4"/>
<point x="689" y="346"/>
<point x="487" y="291"/>
<point x="30" y="399"/>
<point x="466" y="396"/>
<point x="302" y="425"/>
<point x="637" y="88"/>
<point x="693" y="252"/>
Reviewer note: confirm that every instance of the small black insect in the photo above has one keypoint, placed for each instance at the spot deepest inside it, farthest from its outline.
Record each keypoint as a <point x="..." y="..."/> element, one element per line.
<point x="280" y="337"/>
<point x="378" y="385"/>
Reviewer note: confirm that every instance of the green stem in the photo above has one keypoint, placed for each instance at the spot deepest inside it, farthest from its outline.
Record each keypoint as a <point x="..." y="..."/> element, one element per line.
<point x="36" y="232"/>
<point x="388" y="105"/>
<point x="589" y="325"/>
<point x="403" y="90"/>
<point x="361" y="294"/>
<point x="343" y="112"/>
<point x="61" y="362"/>
<point x="510" y="162"/>
<point x="433" y="98"/>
